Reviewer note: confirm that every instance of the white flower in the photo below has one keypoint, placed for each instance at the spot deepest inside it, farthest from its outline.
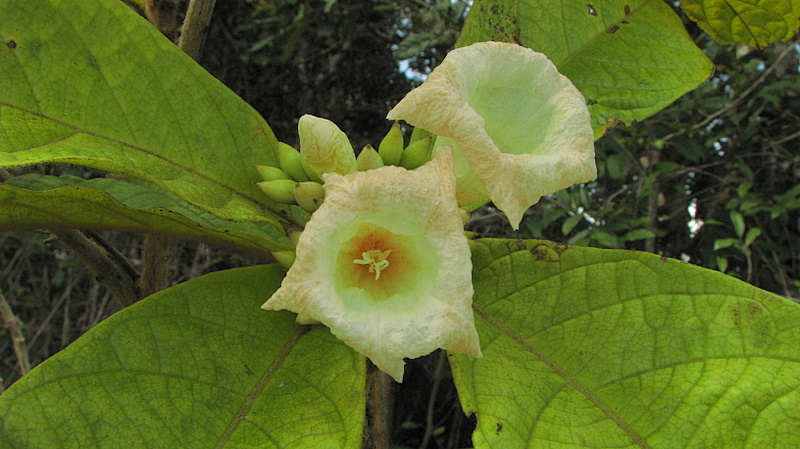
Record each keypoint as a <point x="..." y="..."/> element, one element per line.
<point x="384" y="263"/>
<point x="522" y="128"/>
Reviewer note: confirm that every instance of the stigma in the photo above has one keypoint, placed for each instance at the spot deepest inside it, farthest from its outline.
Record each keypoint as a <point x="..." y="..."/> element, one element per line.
<point x="376" y="259"/>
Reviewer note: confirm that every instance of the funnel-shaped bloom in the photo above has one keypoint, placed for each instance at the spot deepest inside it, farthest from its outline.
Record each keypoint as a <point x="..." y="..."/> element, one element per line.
<point x="325" y="147"/>
<point x="523" y="128"/>
<point x="384" y="263"/>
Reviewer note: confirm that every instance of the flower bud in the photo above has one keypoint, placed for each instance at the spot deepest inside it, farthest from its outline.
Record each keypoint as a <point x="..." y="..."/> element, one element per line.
<point x="391" y="147"/>
<point x="289" y="162"/>
<point x="279" y="190"/>
<point x="369" y="159"/>
<point x="417" y="154"/>
<point x="285" y="258"/>
<point x="325" y="147"/>
<point x="270" y="173"/>
<point x="309" y="195"/>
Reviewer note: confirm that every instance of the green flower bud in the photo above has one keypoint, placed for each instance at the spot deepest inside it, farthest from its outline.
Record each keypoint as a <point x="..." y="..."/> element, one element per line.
<point x="391" y="147"/>
<point x="305" y="320"/>
<point x="285" y="258"/>
<point x="279" y="190"/>
<point x="309" y="195"/>
<point x="417" y="154"/>
<point x="289" y="161"/>
<point x="419" y="134"/>
<point x="270" y="173"/>
<point x="369" y="159"/>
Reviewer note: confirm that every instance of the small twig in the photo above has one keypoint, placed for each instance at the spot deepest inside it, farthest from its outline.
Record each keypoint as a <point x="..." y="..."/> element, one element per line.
<point x="437" y="381"/>
<point x="12" y="323"/>
<point x="111" y="271"/>
<point x="744" y="93"/>
<point x="379" y="408"/>
<point x="654" y="154"/>
<point x="195" y="25"/>
<point x="785" y="139"/>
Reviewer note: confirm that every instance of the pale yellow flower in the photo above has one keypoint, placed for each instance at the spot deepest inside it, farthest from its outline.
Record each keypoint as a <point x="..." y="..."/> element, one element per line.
<point x="384" y="263"/>
<point x="325" y="147"/>
<point x="523" y="128"/>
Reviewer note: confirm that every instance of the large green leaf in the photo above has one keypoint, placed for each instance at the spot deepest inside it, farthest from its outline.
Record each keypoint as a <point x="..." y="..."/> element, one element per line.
<point x="89" y="82"/>
<point x="67" y="202"/>
<point x="751" y="22"/>
<point x="195" y="366"/>
<point x="629" y="58"/>
<point x="588" y="348"/>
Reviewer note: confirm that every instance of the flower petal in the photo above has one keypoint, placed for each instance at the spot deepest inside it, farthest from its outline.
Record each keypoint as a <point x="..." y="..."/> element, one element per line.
<point x="405" y="225"/>
<point x="326" y="148"/>
<point x="523" y="127"/>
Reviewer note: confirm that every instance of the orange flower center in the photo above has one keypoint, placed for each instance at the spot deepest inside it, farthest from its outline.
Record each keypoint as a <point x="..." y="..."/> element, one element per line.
<point x="377" y="260"/>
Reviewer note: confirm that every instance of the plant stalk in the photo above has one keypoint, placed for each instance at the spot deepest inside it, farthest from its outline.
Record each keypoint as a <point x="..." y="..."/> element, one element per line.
<point x="195" y="26"/>
<point x="379" y="409"/>
<point x="108" y="266"/>
<point x="155" y="264"/>
<point x="12" y="324"/>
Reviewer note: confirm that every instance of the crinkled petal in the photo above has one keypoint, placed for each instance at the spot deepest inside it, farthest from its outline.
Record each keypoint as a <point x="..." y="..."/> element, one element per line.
<point x="422" y="301"/>
<point x="326" y="148"/>
<point x="523" y="127"/>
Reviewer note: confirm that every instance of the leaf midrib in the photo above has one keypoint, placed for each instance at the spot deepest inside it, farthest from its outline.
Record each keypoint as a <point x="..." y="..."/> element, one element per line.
<point x="583" y="390"/>
<point x="259" y="387"/>
<point x="76" y="131"/>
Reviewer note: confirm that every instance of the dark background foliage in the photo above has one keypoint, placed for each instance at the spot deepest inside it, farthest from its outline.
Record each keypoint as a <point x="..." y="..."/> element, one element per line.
<point x="712" y="180"/>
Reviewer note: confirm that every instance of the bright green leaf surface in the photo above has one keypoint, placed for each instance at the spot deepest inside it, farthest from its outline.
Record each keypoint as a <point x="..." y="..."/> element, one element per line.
<point x="196" y="366"/>
<point x="105" y="203"/>
<point x="588" y="348"/>
<point x="750" y="22"/>
<point x="629" y="58"/>
<point x="89" y="82"/>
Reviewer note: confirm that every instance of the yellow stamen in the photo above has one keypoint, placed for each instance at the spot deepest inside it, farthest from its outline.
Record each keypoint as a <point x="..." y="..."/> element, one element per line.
<point x="376" y="259"/>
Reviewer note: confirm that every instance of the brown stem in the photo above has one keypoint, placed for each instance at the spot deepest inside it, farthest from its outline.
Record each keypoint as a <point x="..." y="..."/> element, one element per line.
<point x="108" y="266"/>
<point x="155" y="264"/>
<point x="195" y="25"/>
<point x="379" y="408"/>
<point x="12" y="324"/>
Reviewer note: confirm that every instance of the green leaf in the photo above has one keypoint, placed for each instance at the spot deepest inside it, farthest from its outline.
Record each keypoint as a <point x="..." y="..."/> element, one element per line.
<point x="199" y="365"/>
<point x="722" y="263"/>
<point x="89" y="82"/>
<point x="738" y="223"/>
<point x="629" y="58"/>
<point x="752" y="235"/>
<point x="724" y="243"/>
<point x="66" y="202"/>
<point x="751" y="22"/>
<point x="570" y="223"/>
<point x="588" y="348"/>
<point x="638" y="234"/>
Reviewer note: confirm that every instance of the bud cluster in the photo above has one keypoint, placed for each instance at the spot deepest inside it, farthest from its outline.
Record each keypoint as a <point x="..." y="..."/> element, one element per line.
<point x="324" y="148"/>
